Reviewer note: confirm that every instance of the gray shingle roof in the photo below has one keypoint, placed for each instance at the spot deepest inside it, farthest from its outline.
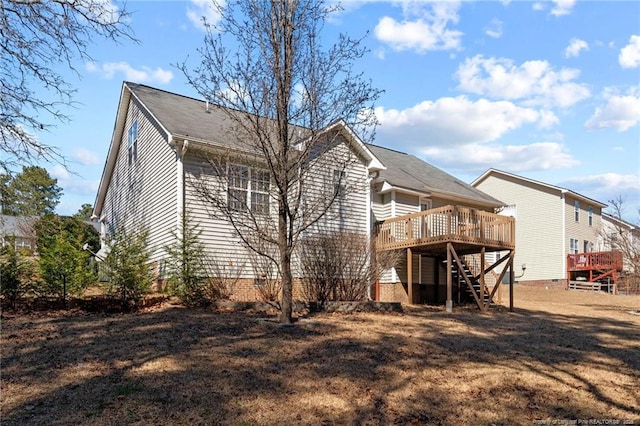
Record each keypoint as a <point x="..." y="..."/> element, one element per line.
<point x="409" y="172"/>
<point x="189" y="118"/>
<point x="186" y="117"/>
<point x="18" y="226"/>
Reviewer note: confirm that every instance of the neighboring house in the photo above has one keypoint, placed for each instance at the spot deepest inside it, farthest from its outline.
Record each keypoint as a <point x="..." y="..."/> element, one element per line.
<point x="18" y="231"/>
<point x="615" y="232"/>
<point x="156" y="154"/>
<point x="618" y="234"/>
<point x="552" y="223"/>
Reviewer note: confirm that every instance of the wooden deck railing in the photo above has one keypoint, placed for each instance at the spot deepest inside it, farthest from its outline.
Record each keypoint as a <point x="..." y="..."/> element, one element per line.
<point x="599" y="260"/>
<point x="446" y="224"/>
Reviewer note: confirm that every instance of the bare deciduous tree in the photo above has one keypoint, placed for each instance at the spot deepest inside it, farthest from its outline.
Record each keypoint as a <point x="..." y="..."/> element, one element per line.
<point x="37" y="37"/>
<point x="624" y="237"/>
<point x="284" y="93"/>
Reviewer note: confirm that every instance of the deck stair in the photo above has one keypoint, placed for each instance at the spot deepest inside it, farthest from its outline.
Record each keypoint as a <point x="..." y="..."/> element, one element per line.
<point x="458" y="277"/>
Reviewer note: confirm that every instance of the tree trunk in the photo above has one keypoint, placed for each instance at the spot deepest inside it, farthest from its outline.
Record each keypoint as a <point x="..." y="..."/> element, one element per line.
<point x="286" y="303"/>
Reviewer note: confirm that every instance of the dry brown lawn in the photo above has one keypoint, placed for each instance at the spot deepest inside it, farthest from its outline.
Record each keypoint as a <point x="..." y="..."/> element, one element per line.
<point x="561" y="356"/>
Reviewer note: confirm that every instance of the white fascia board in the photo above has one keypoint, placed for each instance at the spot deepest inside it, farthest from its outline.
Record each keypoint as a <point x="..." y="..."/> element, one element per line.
<point x="118" y="130"/>
<point x="114" y="146"/>
<point x="373" y="164"/>
<point x="387" y="187"/>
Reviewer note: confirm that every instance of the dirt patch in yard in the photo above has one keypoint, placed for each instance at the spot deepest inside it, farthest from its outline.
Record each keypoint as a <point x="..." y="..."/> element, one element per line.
<point x="560" y="356"/>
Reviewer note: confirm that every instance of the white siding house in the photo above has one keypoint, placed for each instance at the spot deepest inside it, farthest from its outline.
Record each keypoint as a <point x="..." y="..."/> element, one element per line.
<point x="551" y="222"/>
<point x="160" y="156"/>
<point x="159" y="149"/>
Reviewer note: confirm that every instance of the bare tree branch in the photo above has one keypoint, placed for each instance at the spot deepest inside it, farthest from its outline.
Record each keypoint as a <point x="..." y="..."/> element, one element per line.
<point x="37" y="38"/>
<point x="624" y="237"/>
<point x="282" y="89"/>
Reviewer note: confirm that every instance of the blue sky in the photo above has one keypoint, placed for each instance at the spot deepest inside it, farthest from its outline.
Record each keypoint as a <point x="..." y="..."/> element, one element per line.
<point x="549" y="90"/>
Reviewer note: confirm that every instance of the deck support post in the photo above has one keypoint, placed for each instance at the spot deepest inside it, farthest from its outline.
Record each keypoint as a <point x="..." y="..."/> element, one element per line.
<point x="449" y="303"/>
<point x="410" y="275"/>
<point x="511" y="286"/>
<point x="483" y="306"/>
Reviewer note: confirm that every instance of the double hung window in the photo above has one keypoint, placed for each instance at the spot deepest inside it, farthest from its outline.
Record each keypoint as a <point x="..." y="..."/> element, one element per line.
<point x="248" y="189"/>
<point x="573" y="248"/>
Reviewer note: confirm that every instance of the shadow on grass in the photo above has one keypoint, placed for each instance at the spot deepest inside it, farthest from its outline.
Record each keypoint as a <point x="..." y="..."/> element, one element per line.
<point x="425" y="367"/>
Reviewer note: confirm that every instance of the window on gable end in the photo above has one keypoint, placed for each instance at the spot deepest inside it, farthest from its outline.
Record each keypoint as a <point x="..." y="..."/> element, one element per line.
<point x="132" y="143"/>
<point x="576" y="209"/>
<point x="339" y="183"/>
<point x="590" y="216"/>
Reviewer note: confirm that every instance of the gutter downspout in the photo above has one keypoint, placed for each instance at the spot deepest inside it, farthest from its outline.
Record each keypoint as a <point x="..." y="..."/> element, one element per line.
<point x="181" y="150"/>
<point x="369" y="228"/>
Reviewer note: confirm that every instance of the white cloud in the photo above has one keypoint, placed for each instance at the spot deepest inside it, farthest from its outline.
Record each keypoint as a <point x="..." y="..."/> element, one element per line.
<point x="538" y="6"/>
<point x="621" y="111"/>
<point x="85" y="157"/>
<point x="456" y="121"/>
<point x="60" y="172"/>
<point x="562" y="7"/>
<point x="206" y="9"/>
<point x="494" y="29"/>
<point x="533" y="82"/>
<point x="142" y="75"/>
<point x="605" y="185"/>
<point x="428" y="31"/>
<point x="630" y="54"/>
<point x="514" y="158"/>
<point x="559" y="7"/>
<point x="575" y="47"/>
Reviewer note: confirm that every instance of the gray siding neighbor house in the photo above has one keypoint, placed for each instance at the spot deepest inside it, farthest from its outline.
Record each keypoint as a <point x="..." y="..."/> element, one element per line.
<point x="155" y="156"/>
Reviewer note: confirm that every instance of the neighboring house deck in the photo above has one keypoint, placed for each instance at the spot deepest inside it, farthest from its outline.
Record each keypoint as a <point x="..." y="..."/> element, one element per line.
<point x="594" y="271"/>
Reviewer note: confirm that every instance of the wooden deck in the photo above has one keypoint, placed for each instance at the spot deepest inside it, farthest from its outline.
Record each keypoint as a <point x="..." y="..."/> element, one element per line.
<point x="599" y="260"/>
<point x="447" y="234"/>
<point x="431" y="230"/>
<point x="601" y="267"/>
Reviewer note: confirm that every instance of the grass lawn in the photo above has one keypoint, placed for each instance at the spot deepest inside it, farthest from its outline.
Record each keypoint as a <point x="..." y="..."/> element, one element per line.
<point x="560" y="355"/>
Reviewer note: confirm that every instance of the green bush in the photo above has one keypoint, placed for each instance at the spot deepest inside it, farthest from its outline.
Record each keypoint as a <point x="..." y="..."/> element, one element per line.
<point x="127" y="266"/>
<point x="187" y="271"/>
<point x="64" y="266"/>
<point x="17" y="273"/>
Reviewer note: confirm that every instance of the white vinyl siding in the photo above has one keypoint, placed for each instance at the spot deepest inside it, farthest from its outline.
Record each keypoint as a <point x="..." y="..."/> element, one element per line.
<point x="381" y="206"/>
<point x="539" y="227"/>
<point x="222" y="245"/>
<point x="143" y="195"/>
<point x="582" y="230"/>
<point x="406" y="204"/>
<point x="349" y="213"/>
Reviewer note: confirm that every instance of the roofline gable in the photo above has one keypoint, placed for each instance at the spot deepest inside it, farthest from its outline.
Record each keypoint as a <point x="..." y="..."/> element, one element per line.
<point x="558" y="189"/>
<point x="126" y="94"/>
<point x="373" y="163"/>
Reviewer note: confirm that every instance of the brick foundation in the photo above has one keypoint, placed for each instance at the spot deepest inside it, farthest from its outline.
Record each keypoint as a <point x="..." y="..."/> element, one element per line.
<point x="393" y="292"/>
